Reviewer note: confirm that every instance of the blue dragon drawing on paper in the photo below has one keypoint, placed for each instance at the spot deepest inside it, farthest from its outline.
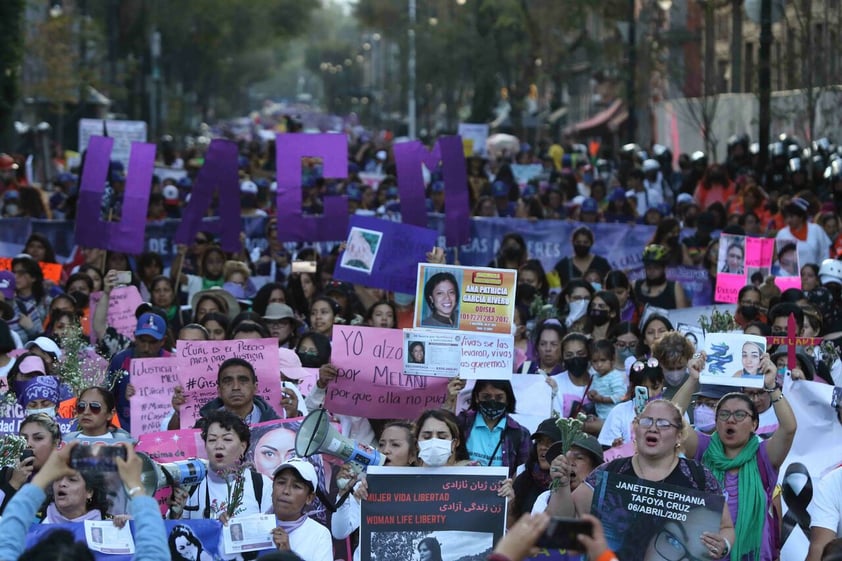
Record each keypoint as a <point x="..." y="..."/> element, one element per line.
<point x="717" y="359"/>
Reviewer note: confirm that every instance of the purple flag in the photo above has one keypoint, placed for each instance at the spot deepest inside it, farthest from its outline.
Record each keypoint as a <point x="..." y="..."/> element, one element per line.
<point x="127" y="235"/>
<point x="384" y="254"/>
<point x="218" y="175"/>
<point x="448" y="149"/>
<point x="292" y="224"/>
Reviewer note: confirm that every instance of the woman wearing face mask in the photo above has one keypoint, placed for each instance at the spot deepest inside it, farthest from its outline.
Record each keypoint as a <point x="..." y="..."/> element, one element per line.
<point x="617" y="428"/>
<point x="618" y="283"/>
<point x="573" y="303"/>
<point x="399" y="445"/>
<point x="741" y="462"/>
<point x="655" y="289"/>
<point x="43" y="435"/>
<point x="571" y="396"/>
<point x="570" y="268"/>
<point x="39" y="395"/>
<point x="673" y="350"/>
<point x="626" y="338"/>
<point x="603" y="313"/>
<point x="440" y="440"/>
<point x="492" y="436"/>
<point x="702" y="410"/>
<point x="748" y="306"/>
<point x="313" y="349"/>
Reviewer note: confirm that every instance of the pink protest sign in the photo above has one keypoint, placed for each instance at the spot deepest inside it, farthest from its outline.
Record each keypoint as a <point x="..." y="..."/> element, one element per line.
<point x="172" y="445"/>
<point x="154" y="380"/>
<point x="198" y="366"/>
<point x="449" y="151"/>
<point x="371" y="382"/>
<point x="305" y="378"/>
<point x="217" y="176"/>
<point x="728" y="287"/>
<point x="292" y="224"/>
<point x="127" y="234"/>
<point x="624" y="450"/>
<point x="759" y="252"/>
<point x="122" y="304"/>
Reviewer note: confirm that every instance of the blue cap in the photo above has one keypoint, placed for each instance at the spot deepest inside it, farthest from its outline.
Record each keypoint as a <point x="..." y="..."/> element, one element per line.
<point x="529" y="190"/>
<point x="184" y="183"/>
<point x="617" y="194"/>
<point x="262" y="183"/>
<point x="500" y="189"/>
<point x="117" y="176"/>
<point x="437" y="187"/>
<point x="589" y="205"/>
<point x="117" y="165"/>
<point x="152" y="325"/>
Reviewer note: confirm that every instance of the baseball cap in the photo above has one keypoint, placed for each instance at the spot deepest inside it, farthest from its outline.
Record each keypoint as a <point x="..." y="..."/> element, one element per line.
<point x="45" y="344"/>
<point x="171" y="194"/>
<point x="589" y="205"/>
<point x="548" y="428"/>
<point x="152" y="325"/>
<point x="651" y="165"/>
<point x="500" y="189"/>
<point x="617" y="194"/>
<point x="248" y="188"/>
<point x="713" y="391"/>
<point x="303" y="468"/>
<point x="684" y="198"/>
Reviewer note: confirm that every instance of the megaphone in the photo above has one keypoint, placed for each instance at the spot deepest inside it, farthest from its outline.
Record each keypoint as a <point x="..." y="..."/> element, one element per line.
<point x="185" y="473"/>
<point x="317" y="436"/>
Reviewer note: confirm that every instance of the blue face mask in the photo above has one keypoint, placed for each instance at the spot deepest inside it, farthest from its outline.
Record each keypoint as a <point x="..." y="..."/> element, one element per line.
<point x="597" y="286"/>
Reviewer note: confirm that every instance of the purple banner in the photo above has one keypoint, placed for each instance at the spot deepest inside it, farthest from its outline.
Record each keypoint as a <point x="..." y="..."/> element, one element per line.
<point x="292" y="224"/>
<point x="384" y="254"/>
<point x="218" y="175"/>
<point x="127" y="235"/>
<point x="449" y="151"/>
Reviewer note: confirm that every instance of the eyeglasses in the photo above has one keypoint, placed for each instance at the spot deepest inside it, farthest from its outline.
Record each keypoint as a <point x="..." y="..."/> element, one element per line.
<point x="651" y="362"/>
<point x="95" y="406"/>
<point x="739" y="415"/>
<point x="671" y="548"/>
<point x="660" y="424"/>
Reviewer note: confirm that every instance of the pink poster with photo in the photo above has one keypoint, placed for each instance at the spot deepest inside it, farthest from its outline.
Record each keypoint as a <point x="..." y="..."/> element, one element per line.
<point x="728" y="287"/>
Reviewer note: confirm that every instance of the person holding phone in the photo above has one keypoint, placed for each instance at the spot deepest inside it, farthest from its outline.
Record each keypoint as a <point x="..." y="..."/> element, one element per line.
<point x="43" y="435"/>
<point x="149" y="535"/>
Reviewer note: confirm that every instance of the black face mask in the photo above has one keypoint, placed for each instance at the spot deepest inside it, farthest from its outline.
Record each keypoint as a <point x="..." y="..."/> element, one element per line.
<point x="491" y="409"/>
<point x="81" y="299"/>
<point x="657" y="281"/>
<point x="600" y="317"/>
<point x="309" y="360"/>
<point x="581" y="250"/>
<point x="749" y="312"/>
<point x="577" y="366"/>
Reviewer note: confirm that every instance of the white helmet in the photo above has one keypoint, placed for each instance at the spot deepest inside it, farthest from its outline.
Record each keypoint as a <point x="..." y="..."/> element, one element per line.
<point x="831" y="271"/>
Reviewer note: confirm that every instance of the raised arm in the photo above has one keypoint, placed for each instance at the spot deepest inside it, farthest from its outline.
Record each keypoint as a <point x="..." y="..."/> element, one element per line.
<point x="684" y="395"/>
<point x="779" y="443"/>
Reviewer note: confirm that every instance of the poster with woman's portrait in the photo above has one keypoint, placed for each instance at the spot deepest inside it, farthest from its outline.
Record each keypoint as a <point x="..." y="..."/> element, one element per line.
<point x="732" y="254"/>
<point x="733" y="359"/>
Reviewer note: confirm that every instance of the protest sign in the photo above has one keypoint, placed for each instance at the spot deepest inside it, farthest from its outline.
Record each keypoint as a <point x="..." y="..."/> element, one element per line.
<point x="694" y="334"/>
<point x="731" y="267"/>
<point x="458" y="507"/>
<point x="477" y="133"/>
<point x="787" y="265"/>
<point x="465" y="298"/>
<point x="371" y="179"/>
<point x="248" y="533"/>
<point x="384" y="254"/>
<point x="124" y="134"/>
<point x="122" y="304"/>
<point x="106" y="537"/>
<point x="172" y="445"/>
<point x="154" y="380"/>
<point x="640" y="515"/>
<point x="51" y="271"/>
<point x="12" y="415"/>
<point x="695" y="281"/>
<point x="164" y="173"/>
<point x="524" y="173"/>
<point x="733" y="359"/>
<point x="429" y="352"/>
<point x="305" y="378"/>
<point x="198" y="366"/>
<point x="371" y="382"/>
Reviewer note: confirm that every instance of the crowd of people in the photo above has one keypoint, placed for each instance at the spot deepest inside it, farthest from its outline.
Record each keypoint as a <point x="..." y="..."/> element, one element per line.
<point x="587" y="329"/>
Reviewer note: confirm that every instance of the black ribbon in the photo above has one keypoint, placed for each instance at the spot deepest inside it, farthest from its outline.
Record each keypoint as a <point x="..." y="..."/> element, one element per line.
<point x="796" y="502"/>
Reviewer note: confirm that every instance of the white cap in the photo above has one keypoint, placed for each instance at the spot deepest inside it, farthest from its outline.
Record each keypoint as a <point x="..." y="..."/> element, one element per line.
<point x="381" y="154"/>
<point x="303" y="468"/>
<point x="47" y="345"/>
<point x="171" y="193"/>
<point x="651" y="165"/>
<point x="248" y="187"/>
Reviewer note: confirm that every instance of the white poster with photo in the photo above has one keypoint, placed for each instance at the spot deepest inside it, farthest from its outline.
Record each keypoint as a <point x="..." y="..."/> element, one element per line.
<point x="248" y="533"/>
<point x="694" y="334"/>
<point x="429" y="352"/>
<point x="733" y="359"/>
<point x="361" y="249"/>
<point x="103" y="536"/>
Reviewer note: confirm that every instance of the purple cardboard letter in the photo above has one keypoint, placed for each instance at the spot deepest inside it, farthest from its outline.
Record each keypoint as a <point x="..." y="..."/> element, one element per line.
<point x="292" y="224"/>
<point x="219" y="174"/>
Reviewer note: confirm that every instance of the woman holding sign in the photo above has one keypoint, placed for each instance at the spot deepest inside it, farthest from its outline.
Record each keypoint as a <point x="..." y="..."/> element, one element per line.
<point x="659" y="431"/>
<point x="741" y="462"/>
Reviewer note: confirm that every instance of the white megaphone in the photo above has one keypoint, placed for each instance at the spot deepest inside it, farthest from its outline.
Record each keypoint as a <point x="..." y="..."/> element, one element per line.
<point x="317" y="436"/>
<point x="184" y="473"/>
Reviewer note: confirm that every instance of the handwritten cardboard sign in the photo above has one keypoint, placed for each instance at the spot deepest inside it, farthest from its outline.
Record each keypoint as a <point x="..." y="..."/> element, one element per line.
<point x="198" y="366"/>
<point x="371" y="382"/>
<point x="154" y="380"/>
<point x="122" y="304"/>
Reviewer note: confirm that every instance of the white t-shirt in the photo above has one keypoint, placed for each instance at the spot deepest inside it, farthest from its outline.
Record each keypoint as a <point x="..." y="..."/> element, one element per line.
<point x="826" y="507"/>
<point x="541" y="503"/>
<point x="568" y="392"/>
<point x="815" y="249"/>
<point x="214" y="487"/>
<point x="618" y="424"/>
<point x="312" y="542"/>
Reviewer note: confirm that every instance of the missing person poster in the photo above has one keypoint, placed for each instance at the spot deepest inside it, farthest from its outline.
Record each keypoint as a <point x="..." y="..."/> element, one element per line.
<point x="648" y="520"/>
<point x="432" y="513"/>
<point x="465" y="298"/>
<point x="733" y="359"/>
<point x="429" y="352"/>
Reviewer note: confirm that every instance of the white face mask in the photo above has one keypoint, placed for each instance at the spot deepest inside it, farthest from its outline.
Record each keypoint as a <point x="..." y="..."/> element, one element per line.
<point x="49" y="411"/>
<point x="578" y="308"/>
<point x="434" y="452"/>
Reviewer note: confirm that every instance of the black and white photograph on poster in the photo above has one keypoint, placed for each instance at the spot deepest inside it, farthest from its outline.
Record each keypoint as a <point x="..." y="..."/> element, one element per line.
<point x="694" y="334"/>
<point x="786" y="259"/>
<point x="432" y="514"/>
<point x="757" y="275"/>
<point x="733" y="359"/>
<point x="361" y="249"/>
<point x="732" y="254"/>
<point x="648" y="520"/>
<point x="433" y="546"/>
<point x="429" y="352"/>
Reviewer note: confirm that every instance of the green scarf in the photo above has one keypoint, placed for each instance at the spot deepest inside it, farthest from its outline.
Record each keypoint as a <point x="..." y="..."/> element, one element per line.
<point x="210" y="283"/>
<point x="751" y="498"/>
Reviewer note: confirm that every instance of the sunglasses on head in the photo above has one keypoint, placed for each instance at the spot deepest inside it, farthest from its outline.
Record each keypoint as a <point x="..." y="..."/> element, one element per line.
<point x="95" y="406"/>
<point x="639" y="365"/>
